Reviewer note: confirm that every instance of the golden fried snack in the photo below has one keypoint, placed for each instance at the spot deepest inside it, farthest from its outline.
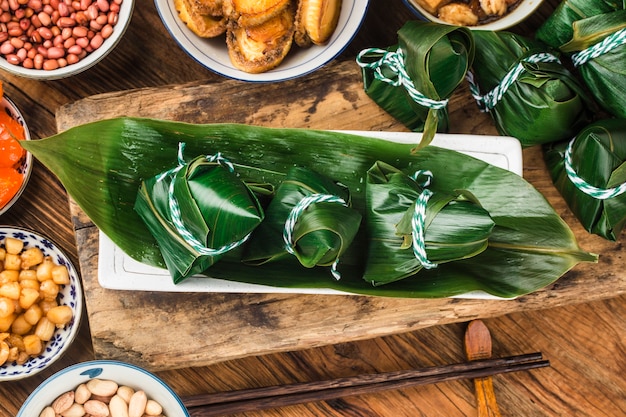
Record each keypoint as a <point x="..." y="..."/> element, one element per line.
<point x="249" y="13"/>
<point x="260" y="48"/>
<point x="431" y="6"/>
<point x="316" y="21"/>
<point x="197" y="16"/>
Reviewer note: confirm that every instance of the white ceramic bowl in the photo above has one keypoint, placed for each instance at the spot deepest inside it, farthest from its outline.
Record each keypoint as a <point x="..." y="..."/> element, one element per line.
<point x="26" y="164"/>
<point x="213" y="54"/>
<point x="520" y="13"/>
<point x="120" y="372"/>
<point x="70" y="294"/>
<point x="126" y="10"/>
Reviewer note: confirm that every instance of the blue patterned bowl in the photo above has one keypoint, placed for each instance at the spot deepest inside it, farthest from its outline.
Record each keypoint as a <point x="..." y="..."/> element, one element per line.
<point x="122" y="373"/>
<point x="70" y="294"/>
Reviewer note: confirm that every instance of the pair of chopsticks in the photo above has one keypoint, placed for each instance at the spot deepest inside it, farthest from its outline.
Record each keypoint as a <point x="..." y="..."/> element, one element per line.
<point x="205" y="405"/>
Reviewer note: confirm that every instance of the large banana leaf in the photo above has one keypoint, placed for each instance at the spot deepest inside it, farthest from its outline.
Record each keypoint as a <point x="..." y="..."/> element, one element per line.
<point x="102" y="164"/>
<point x="322" y="232"/>
<point x="436" y="59"/>
<point x="214" y="212"/>
<point x="545" y="104"/>
<point x="599" y="158"/>
<point x="604" y="75"/>
<point x="455" y="226"/>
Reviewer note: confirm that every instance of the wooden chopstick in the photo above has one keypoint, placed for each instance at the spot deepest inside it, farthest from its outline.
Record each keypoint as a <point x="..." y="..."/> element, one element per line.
<point x="216" y="404"/>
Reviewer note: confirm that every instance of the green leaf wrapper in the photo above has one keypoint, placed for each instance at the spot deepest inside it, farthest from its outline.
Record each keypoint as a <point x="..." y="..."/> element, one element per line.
<point x="102" y="164"/>
<point x="579" y="24"/>
<point x="598" y="157"/>
<point x="216" y="208"/>
<point x="557" y="29"/>
<point x="437" y="58"/>
<point x="456" y="227"/>
<point x="323" y="231"/>
<point x="545" y="104"/>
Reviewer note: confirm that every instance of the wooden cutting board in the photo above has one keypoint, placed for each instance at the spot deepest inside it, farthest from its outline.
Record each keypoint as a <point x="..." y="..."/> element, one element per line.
<point x="162" y="331"/>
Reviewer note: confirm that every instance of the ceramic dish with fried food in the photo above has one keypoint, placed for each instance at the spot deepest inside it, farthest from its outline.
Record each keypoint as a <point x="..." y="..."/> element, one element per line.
<point x="262" y="41"/>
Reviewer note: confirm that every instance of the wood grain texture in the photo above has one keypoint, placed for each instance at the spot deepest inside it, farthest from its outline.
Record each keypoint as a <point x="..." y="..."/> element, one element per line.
<point x="238" y="325"/>
<point x="585" y="341"/>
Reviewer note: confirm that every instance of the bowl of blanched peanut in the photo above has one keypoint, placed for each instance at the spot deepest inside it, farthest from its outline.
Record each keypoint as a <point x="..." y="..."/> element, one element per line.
<point x="41" y="302"/>
<point x="103" y="388"/>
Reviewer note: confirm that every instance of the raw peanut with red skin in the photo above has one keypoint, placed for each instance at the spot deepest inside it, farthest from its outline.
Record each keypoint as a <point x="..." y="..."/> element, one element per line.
<point x="49" y="24"/>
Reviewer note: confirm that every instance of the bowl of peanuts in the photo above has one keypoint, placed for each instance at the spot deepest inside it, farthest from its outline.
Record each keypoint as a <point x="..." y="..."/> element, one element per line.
<point x="54" y="39"/>
<point x="103" y="388"/>
<point x="41" y="303"/>
<point x="475" y="14"/>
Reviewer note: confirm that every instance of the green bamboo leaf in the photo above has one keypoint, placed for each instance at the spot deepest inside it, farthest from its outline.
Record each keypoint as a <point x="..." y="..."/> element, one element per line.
<point x="578" y="25"/>
<point x="598" y="157"/>
<point x="323" y="231"/>
<point x="102" y="165"/>
<point x="215" y="209"/>
<point x="454" y="227"/>
<point x="436" y="59"/>
<point x="557" y="29"/>
<point x="545" y="104"/>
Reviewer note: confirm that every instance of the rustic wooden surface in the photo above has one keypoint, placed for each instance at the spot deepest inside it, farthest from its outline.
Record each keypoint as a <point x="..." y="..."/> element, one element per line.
<point x="585" y="340"/>
<point x="332" y="99"/>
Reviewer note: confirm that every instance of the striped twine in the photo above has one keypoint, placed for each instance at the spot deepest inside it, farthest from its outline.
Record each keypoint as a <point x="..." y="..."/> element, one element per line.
<point x="419" y="218"/>
<point x="395" y="62"/>
<point x="295" y="213"/>
<point x="585" y="187"/>
<point x="608" y="44"/>
<point x="489" y="100"/>
<point x="176" y="215"/>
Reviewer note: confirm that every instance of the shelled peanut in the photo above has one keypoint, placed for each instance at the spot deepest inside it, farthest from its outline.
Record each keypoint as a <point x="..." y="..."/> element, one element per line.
<point x="29" y="311"/>
<point x="103" y="398"/>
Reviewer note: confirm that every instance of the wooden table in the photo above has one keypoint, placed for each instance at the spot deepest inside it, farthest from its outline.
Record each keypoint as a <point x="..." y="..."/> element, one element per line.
<point x="577" y="322"/>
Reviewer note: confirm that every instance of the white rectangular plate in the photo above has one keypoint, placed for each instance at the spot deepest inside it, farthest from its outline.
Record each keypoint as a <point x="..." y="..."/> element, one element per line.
<point x="118" y="271"/>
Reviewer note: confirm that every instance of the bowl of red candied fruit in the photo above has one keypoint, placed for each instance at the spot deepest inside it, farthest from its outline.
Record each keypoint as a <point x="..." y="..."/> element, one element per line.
<point x="54" y="39"/>
<point x="15" y="163"/>
<point x="103" y="388"/>
<point x="475" y="14"/>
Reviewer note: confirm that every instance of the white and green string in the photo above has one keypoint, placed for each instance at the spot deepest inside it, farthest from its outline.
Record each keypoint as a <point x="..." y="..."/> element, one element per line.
<point x="585" y="187"/>
<point x="394" y="61"/>
<point x="295" y="213"/>
<point x="175" y="212"/>
<point x="419" y="218"/>
<point x="606" y="45"/>
<point x="489" y="100"/>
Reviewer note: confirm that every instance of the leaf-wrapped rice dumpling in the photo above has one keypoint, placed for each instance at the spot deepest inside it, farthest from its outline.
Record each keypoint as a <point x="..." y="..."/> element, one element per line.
<point x="411" y="227"/>
<point x="593" y="32"/>
<point x="590" y="173"/>
<point x="413" y="80"/>
<point x="526" y="89"/>
<point x="197" y="212"/>
<point x="310" y="218"/>
<point x="102" y="165"/>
